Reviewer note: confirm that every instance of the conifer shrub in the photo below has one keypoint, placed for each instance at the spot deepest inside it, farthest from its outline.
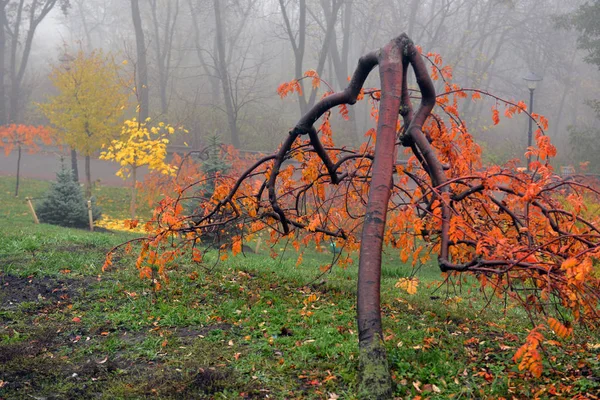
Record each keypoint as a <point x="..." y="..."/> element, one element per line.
<point x="64" y="203"/>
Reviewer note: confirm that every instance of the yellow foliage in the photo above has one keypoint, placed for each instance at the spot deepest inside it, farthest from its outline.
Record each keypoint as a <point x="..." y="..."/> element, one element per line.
<point x="119" y="225"/>
<point x="408" y="284"/>
<point x="140" y="145"/>
<point x="90" y="101"/>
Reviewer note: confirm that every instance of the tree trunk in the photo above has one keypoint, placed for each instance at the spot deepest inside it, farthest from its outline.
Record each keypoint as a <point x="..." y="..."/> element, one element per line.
<point x="163" y="47"/>
<point x="18" y="171"/>
<point x="142" y="64"/>
<point x="375" y="380"/>
<point x="13" y="104"/>
<point x="74" y="167"/>
<point x="132" y="204"/>
<point x="224" y="76"/>
<point x="88" y="178"/>
<point x="2" y="63"/>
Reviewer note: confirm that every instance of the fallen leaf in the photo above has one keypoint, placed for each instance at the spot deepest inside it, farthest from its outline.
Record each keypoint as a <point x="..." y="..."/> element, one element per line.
<point x="417" y="386"/>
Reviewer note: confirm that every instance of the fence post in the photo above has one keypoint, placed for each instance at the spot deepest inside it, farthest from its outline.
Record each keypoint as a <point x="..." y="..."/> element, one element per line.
<point x="90" y="216"/>
<point x="35" y="218"/>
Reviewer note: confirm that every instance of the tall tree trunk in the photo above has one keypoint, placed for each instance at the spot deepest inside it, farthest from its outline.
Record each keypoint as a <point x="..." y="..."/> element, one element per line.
<point x="132" y="204"/>
<point x="198" y="41"/>
<point x="88" y="35"/>
<point x="142" y="63"/>
<point x="567" y="88"/>
<point x="163" y="47"/>
<point x="14" y="99"/>
<point x="2" y="62"/>
<point x="18" y="171"/>
<point x="88" y="178"/>
<point x="414" y="7"/>
<point x="224" y="75"/>
<point x="340" y="65"/>
<point x="74" y="167"/>
<point x="35" y="12"/>
<point x="375" y="377"/>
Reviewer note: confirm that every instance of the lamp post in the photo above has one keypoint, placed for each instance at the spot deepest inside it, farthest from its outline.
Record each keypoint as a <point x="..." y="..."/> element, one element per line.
<point x="531" y="79"/>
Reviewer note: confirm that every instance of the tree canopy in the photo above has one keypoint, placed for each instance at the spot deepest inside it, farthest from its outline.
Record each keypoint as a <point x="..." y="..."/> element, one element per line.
<point x="90" y="102"/>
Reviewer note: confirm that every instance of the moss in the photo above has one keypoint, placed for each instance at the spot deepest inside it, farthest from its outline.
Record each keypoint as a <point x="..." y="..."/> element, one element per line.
<point x="375" y="381"/>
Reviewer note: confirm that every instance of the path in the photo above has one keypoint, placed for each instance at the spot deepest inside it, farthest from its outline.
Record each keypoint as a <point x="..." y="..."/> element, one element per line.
<point x="44" y="165"/>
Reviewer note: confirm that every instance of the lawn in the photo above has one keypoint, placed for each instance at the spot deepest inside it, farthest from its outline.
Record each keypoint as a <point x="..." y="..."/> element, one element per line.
<point x="249" y="327"/>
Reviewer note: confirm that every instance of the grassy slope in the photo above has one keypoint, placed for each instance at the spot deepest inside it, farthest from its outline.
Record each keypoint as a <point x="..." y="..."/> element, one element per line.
<point x="244" y="328"/>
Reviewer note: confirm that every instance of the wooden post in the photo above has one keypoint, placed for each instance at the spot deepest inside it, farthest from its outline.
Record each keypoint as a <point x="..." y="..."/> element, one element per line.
<point x="35" y="218"/>
<point x="257" y="248"/>
<point x="89" y="207"/>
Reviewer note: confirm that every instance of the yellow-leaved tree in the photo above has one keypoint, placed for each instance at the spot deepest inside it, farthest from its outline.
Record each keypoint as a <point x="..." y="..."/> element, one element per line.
<point x="140" y="145"/>
<point x="88" y="108"/>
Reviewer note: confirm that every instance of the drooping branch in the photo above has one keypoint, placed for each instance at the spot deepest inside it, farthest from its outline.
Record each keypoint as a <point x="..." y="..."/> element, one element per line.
<point x="306" y="126"/>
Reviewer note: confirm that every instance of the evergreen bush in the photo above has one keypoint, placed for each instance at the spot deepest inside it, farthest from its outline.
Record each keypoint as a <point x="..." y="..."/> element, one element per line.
<point x="64" y="203"/>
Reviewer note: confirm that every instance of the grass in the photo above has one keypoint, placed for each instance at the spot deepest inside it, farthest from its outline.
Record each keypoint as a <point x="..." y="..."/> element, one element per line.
<point x="247" y="328"/>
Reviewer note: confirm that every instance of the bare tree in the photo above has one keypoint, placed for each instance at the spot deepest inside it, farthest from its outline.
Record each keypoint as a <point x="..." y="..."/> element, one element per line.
<point x="21" y="19"/>
<point x="297" y="38"/>
<point x="164" y="26"/>
<point x="141" y="63"/>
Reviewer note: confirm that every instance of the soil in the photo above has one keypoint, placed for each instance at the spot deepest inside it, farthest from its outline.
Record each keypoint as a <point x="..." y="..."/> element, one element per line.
<point x="31" y="365"/>
<point x="16" y="290"/>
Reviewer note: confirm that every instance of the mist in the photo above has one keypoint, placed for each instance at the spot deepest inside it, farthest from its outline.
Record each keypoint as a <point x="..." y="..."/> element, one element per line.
<point x="214" y="66"/>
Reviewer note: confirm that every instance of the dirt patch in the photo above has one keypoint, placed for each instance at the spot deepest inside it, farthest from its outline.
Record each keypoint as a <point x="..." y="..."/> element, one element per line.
<point x="37" y="344"/>
<point x="195" y="383"/>
<point x="187" y="335"/>
<point x="15" y="290"/>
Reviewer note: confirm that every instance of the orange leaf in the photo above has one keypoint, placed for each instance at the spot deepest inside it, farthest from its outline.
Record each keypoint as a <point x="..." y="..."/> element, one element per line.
<point x="495" y="116"/>
<point x="561" y="330"/>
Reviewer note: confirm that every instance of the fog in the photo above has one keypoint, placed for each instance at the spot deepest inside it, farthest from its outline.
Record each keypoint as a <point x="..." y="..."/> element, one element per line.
<point x="214" y="66"/>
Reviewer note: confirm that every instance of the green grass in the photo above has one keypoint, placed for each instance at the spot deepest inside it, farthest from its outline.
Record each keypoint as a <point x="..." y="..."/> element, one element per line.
<point x="243" y="328"/>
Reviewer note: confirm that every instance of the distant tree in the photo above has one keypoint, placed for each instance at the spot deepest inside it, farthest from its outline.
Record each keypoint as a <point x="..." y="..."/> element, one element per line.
<point x="19" y="136"/>
<point x="88" y="107"/>
<point x="585" y="21"/>
<point x="20" y="20"/>
<point x="64" y="203"/>
<point x="585" y="141"/>
<point x="140" y="145"/>
<point x="141" y="63"/>
<point x="296" y="31"/>
<point x="164" y="27"/>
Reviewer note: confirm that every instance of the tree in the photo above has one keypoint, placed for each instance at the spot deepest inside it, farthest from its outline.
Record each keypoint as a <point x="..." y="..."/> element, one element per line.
<point x="297" y="38"/>
<point x="164" y="28"/>
<point x="585" y="141"/>
<point x="20" y="136"/>
<point x="510" y="230"/>
<point x="64" y="204"/>
<point x="88" y="107"/>
<point x="140" y="145"/>
<point x="585" y="21"/>
<point x="20" y="20"/>
<point x="142" y="90"/>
